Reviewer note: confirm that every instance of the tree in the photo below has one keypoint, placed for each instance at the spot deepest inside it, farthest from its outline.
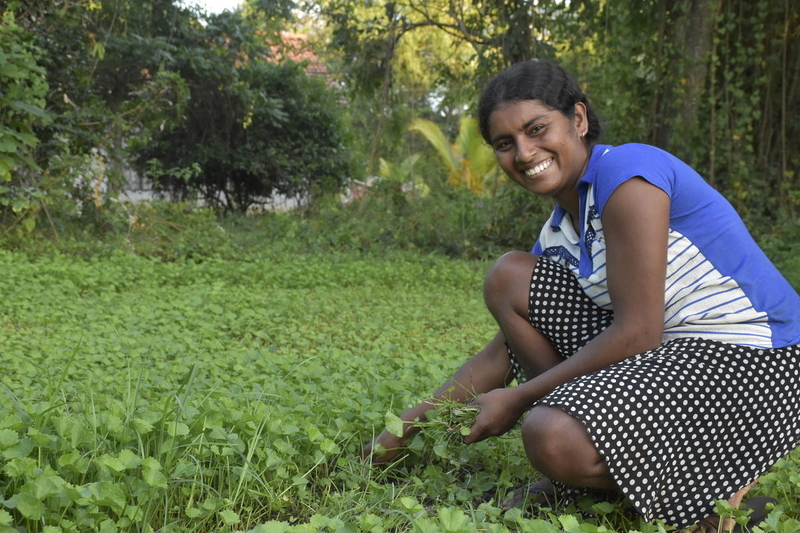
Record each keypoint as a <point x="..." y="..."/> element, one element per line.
<point x="713" y="81"/>
<point x="251" y="129"/>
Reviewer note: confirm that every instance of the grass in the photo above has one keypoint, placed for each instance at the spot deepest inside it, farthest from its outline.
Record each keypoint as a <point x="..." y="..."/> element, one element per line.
<point x="199" y="378"/>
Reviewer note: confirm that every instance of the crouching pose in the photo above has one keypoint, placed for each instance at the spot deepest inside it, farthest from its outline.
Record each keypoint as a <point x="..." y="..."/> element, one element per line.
<point x="655" y="347"/>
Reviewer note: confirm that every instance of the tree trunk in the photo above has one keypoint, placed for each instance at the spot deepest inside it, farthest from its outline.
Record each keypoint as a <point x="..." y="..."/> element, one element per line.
<point x="517" y="42"/>
<point x="698" y="43"/>
<point x="689" y="31"/>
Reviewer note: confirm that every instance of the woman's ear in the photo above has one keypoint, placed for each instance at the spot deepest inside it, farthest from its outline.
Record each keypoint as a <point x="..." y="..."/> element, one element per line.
<point x="581" y="120"/>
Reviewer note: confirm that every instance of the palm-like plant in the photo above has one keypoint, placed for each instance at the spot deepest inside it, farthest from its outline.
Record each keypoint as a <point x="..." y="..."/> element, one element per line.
<point x="469" y="162"/>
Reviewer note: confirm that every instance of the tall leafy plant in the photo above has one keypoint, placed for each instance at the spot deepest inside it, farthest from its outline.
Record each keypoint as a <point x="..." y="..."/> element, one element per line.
<point x="468" y="162"/>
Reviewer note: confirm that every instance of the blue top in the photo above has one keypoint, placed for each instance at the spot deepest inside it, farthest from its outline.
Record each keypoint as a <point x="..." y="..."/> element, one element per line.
<point x="719" y="284"/>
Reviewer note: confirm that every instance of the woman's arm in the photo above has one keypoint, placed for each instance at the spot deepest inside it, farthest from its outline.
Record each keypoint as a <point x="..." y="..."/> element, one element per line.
<point x="635" y="228"/>
<point x="487" y="370"/>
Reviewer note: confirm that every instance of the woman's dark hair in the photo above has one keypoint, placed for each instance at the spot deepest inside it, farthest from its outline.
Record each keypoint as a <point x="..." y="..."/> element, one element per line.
<point x="536" y="80"/>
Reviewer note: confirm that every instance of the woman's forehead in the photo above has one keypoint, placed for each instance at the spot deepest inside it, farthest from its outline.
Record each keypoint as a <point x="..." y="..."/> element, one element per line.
<point x="515" y="114"/>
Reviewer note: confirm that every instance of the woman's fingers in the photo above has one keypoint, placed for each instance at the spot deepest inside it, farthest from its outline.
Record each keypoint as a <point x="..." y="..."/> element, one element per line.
<point x="498" y="412"/>
<point x="383" y="448"/>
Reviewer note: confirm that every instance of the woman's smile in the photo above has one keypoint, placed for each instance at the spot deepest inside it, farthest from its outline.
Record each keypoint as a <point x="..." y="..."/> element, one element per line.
<point x="538" y="169"/>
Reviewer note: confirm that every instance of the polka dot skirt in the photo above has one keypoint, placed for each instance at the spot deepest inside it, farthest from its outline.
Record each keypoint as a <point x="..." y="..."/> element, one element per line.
<point x="680" y="426"/>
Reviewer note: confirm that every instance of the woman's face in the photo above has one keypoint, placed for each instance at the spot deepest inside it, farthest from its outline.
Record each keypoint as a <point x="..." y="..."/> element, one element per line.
<point x="540" y="148"/>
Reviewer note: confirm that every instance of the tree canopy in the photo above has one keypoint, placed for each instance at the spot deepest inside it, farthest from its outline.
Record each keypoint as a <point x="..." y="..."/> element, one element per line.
<point x="197" y="101"/>
<point x="714" y="81"/>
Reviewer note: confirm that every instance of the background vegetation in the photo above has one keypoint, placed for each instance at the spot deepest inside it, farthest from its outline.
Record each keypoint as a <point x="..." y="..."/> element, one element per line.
<point x="210" y="106"/>
<point x="171" y="367"/>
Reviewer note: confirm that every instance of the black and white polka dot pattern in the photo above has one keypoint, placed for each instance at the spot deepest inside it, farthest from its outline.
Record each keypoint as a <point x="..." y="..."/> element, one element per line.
<point x="560" y="310"/>
<point x="680" y="426"/>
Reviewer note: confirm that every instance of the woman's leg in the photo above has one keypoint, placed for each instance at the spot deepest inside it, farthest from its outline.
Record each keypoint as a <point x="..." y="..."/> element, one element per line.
<point x="506" y="293"/>
<point x="557" y="444"/>
<point x="559" y="447"/>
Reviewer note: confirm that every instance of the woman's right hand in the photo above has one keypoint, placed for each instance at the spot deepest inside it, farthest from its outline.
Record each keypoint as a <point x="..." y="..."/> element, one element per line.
<point x="485" y="371"/>
<point x="390" y="447"/>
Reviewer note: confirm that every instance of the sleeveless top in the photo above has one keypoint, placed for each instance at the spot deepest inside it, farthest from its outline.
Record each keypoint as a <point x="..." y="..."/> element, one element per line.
<point x="719" y="285"/>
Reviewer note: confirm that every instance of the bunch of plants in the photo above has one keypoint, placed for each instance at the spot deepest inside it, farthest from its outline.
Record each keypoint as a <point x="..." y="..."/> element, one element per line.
<point x="232" y="387"/>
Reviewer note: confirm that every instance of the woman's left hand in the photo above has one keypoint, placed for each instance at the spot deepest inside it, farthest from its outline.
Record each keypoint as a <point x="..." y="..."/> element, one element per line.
<point x="499" y="411"/>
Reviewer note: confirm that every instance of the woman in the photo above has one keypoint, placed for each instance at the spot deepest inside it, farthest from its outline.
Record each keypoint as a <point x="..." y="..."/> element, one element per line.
<point x="654" y="344"/>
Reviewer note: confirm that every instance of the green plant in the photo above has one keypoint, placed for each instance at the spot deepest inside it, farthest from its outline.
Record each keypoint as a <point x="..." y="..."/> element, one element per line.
<point x="22" y="99"/>
<point x="188" y="379"/>
<point x="469" y="162"/>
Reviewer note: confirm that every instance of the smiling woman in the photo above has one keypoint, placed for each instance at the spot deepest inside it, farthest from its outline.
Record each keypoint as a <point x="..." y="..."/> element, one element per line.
<point x="654" y="344"/>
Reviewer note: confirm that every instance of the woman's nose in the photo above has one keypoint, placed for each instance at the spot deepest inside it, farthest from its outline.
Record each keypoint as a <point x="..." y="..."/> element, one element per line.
<point x="525" y="152"/>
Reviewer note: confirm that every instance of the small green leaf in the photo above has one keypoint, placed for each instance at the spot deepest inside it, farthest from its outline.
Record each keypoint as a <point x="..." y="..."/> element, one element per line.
<point x="74" y="462"/>
<point x="110" y="464"/>
<point x="314" y="434"/>
<point x="569" y="522"/>
<point x="142" y="426"/>
<point x="20" y="467"/>
<point x="453" y="520"/>
<point x="29" y="224"/>
<point x="603" y="508"/>
<point x="151" y="473"/>
<point x="330" y="447"/>
<point x="108" y="493"/>
<point x="46" y="486"/>
<point x="19" y="204"/>
<point x="32" y="110"/>
<point x="29" y="506"/>
<point x="393" y="424"/>
<point x="8" y="438"/>
<point x="108" y="526"/>
<point x="440" y="449"/>
<point x="177" y="429"/>
<point x="273" y="526"/>
<point x="128" y="459"/>
<point x="229" y="517"/>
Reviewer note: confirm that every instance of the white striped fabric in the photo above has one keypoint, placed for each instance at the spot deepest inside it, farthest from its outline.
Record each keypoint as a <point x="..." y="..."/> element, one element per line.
<point x="698" y="301"/>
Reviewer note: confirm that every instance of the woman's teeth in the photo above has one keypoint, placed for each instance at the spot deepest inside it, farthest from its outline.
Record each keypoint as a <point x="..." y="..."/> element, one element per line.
<point x="538" y="168"/>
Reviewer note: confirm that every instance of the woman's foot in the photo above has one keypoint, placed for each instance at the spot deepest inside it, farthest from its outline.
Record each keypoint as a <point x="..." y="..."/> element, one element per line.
<point x="711" y="524"/>
<point x="541" y="492"/>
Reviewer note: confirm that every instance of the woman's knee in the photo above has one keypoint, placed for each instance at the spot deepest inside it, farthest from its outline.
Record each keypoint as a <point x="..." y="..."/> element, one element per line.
<point x="541" y="435"/>
<point x="509" y="276"/>
<point x="557" y="444"/>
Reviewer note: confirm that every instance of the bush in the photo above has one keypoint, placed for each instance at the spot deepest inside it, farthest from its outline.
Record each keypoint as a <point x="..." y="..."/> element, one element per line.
<point x="781" y="245"/>
<point x="457" y="223"/>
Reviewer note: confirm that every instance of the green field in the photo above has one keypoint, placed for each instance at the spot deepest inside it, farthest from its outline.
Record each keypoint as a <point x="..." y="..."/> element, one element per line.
<point x="234" y="392"/>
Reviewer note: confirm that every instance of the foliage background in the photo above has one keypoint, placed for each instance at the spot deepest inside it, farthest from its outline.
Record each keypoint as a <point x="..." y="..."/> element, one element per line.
<point x="717" y="82"/>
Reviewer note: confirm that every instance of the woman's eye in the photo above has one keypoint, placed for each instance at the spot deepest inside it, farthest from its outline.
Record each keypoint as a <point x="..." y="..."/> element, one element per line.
<point x="501" y="146"/>
<point x="535" y="129"/>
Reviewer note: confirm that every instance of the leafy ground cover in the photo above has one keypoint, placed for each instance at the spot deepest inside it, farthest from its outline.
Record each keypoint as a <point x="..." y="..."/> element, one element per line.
<point x="231" y="387"/>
